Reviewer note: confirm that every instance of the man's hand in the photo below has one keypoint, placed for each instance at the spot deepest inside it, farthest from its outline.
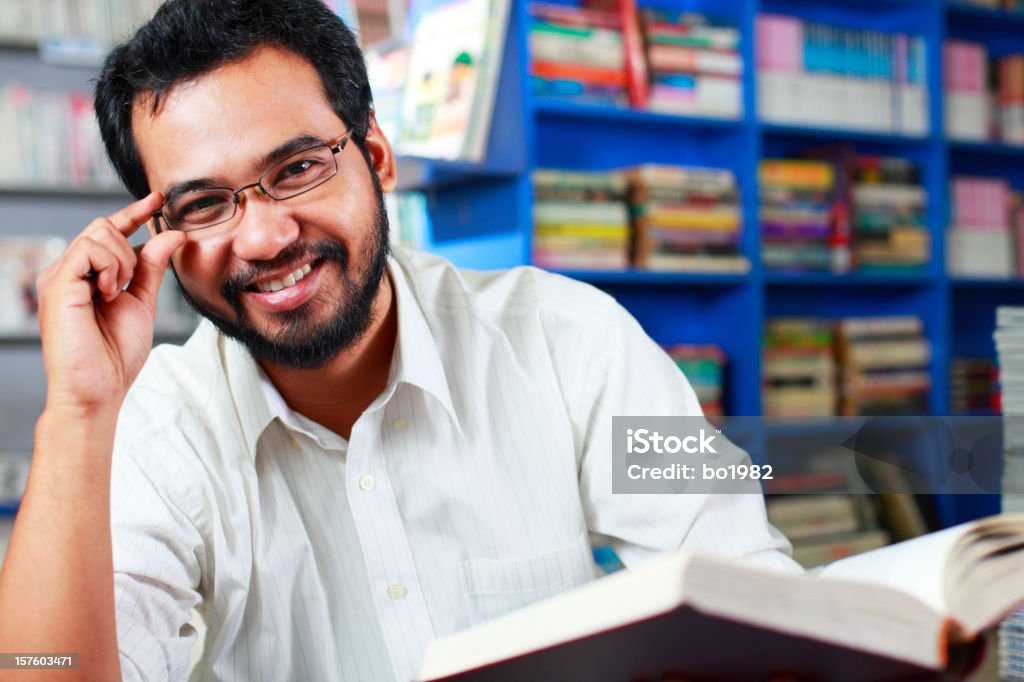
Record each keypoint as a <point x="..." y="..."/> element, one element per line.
<point x="97" y="305"/>
<point x="96" y="332"/>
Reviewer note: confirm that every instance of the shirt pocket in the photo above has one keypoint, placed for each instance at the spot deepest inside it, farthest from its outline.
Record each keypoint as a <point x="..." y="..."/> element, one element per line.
<point x="497" y="586"/>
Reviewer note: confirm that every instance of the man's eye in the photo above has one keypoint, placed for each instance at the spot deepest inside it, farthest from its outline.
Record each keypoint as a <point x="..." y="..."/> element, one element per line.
<point x="202" y="205"/>
<point x="298" y="171"/>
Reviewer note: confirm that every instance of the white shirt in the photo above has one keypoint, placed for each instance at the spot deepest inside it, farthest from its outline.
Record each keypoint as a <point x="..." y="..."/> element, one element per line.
<point x="466" y="490"/>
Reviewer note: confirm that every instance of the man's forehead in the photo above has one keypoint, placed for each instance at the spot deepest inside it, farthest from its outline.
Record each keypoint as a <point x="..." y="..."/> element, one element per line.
<point x="234" y="114"/>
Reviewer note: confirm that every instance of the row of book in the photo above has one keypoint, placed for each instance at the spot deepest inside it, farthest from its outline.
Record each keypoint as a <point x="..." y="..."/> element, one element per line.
<point x="704" y="367"/>
<point x="577" y="54"/>
<point x="52" y="140"/>
<point x="842" y="212"/>
<point x="1009" y="340"/>
<point x="694" y="66"/>
<point x="825" y="527"/>
<point x="75" y="32"/>
<point x="984" y="96"/>
<point x="973" y="386"/>
<point x="813" y="74"/>
<point x="674" y="62"/>
<point x="849" y="367"/>
<point x="651" y="217"/>
<point x="21" y="261"/>
<point x="986" y="231"/>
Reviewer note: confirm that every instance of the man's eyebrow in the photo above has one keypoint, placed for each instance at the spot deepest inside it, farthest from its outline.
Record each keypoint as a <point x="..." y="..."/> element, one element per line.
<point x="286" y="149"/>
<point x="261" y="165"/>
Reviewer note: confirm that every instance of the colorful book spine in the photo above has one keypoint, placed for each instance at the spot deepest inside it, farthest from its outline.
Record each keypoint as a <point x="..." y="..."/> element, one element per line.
<point x="578" y="54"/>
<point x="814" y="74"/>
<point x="694" y="64"/>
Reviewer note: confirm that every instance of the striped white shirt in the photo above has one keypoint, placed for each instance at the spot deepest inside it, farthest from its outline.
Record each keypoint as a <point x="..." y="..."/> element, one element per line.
<point x="466" y="490"/>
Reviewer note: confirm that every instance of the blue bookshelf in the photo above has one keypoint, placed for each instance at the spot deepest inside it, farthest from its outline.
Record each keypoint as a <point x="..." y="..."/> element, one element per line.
<point x="484" y="219"/>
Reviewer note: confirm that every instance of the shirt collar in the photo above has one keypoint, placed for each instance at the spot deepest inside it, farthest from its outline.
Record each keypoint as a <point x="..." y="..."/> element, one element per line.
<point x="416" y="361"/>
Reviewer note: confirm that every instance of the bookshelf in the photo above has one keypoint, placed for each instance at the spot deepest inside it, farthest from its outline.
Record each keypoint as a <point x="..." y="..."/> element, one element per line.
<point x="481" y="213"/>
<point x="958" y="312"/>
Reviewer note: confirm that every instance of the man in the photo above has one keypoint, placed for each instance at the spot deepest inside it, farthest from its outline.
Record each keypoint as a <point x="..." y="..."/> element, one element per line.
<point x="358" y="452"/>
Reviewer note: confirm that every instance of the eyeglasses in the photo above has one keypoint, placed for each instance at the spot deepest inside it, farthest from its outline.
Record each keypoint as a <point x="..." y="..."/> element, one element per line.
<point x="295" y="175"/>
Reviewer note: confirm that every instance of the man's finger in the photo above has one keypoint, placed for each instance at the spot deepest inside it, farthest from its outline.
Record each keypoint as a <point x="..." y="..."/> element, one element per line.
<point x="131" y="217"/>
<point x="153" y="259"/>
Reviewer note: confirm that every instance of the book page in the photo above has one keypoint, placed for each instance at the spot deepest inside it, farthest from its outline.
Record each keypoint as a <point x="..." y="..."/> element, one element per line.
<point x="917" y="567"/>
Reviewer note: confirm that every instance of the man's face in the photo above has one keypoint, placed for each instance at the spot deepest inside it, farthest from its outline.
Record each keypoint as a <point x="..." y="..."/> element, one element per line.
<point x="221" y="131"/>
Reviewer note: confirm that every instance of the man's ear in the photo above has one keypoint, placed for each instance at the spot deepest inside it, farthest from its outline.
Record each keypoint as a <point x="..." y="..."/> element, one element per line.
<point x="382" y="156"/>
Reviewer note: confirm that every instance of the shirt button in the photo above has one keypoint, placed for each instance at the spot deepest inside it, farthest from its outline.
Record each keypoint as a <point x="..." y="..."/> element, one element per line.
<point x="400" y="424"/>
<point x="366" y="482"/>
<point x="396" y="591"/>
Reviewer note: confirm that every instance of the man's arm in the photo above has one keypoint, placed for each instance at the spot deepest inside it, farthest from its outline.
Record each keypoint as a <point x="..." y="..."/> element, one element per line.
<point x="633" y="376"/>
<point x="97" y="308"/>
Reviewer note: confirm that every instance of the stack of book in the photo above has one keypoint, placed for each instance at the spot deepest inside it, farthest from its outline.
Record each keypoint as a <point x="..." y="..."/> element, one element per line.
<point x="577" y="54"/>
<point x="986" y="233"/>
<point x="52" y="140"/>
<point x="98" y="23"/>
<point x="798" y="373"/>
<point x="21" y="261"/>
<point x="1010" y="98"/>
<point x="795" y="213"/>
<point x="686" y="219"/>
<point x="580" y="220"/>
<point x="704" y="367"/>
<point x="966" y="97"/>
<point x="889" y="215"/>
<point x="694" y="64"/>
<point x="826" y="527"/>
<point x="973" y="386"/>
<point x="984" y="96"/>
<point x="821" y="75"/>
<point x="883" y="365"/>
<point x="1009" y="338"/>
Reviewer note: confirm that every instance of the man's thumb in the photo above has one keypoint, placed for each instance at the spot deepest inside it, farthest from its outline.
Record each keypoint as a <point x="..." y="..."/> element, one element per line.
<point x="153" y="260"/>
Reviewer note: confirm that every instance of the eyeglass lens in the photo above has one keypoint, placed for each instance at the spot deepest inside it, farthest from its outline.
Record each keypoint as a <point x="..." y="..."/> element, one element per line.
<point x="298" y="173"/>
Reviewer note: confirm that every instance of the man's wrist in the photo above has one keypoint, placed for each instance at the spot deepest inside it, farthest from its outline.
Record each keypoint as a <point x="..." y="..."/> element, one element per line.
<point x="68" y="422"/>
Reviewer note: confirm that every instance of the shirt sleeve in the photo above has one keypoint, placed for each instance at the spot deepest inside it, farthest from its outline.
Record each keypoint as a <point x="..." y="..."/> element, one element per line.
<point x="640" y="379"/>
<point x="159" y="554"/>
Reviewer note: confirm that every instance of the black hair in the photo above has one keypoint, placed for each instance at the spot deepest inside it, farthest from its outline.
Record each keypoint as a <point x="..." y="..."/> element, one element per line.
<point x="188" y="38"/>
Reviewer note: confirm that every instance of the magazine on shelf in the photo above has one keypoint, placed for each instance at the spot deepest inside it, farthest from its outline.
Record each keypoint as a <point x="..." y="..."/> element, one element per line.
<point x="454" y="61"/>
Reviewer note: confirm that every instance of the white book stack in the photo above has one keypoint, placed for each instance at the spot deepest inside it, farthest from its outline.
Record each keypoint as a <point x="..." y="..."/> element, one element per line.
<point x="1009" y="338"/>
<point x="966" y="98"/>
<point x="817" y="75"/>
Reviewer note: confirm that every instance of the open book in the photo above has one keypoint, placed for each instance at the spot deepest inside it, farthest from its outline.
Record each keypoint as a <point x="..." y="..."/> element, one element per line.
<point x="896" y="612"/>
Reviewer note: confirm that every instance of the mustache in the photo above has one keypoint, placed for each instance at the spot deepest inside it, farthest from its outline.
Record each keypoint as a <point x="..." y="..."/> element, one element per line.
<point x="234" y="285"/>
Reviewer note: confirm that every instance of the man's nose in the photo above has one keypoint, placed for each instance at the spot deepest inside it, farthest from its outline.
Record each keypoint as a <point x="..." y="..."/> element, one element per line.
<point x="265" y="227"/>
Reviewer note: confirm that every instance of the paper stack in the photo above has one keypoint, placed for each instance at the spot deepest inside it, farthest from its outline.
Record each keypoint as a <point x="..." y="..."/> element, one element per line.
<point x="1009" y="338"/>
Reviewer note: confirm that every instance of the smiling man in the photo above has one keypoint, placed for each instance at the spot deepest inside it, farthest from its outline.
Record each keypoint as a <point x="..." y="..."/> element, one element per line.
<point x="359" y="450"/>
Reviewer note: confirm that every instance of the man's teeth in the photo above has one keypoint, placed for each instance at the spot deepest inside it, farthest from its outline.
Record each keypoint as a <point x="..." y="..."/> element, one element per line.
<point x="289" y="280"/>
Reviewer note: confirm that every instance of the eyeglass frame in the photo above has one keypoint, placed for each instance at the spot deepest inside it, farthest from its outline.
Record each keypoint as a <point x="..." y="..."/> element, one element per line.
<point x="335" y="149"/>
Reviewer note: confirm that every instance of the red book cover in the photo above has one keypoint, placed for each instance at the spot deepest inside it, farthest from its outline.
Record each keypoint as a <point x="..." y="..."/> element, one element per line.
<point x="636" y="63"/>
<point x="578" y="72"/>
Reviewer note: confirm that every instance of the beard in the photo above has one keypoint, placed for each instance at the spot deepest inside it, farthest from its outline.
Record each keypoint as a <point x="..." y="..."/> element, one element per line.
<point x="302" y="342"/>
